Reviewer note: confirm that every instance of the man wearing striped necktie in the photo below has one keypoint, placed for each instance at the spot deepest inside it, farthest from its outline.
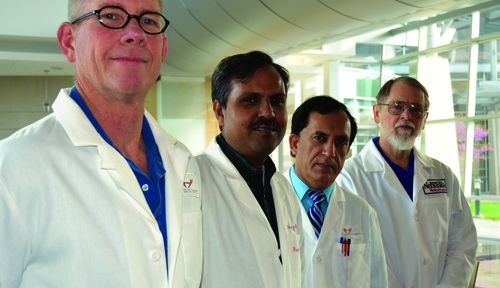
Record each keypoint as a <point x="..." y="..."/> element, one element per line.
<point x="343" y="241"/>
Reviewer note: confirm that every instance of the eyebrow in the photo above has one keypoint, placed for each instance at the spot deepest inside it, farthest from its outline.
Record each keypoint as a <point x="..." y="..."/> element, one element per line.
<point x="319" y="132"/>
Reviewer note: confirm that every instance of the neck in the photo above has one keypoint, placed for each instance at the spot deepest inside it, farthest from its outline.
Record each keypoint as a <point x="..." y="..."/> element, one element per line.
<point x="122" y="122"/>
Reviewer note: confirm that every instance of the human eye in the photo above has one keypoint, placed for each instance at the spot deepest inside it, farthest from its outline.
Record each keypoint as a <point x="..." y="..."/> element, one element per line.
<point x="417" y="109"/>
<point x="341" y="142"/>
<point x="278" y="101"/>
<point x="397" y="107"/>
<point x="248" y="100"/>
<point x="111" y="13"/>
<point x="150" y="20"/>
<point x="319" y="138"/>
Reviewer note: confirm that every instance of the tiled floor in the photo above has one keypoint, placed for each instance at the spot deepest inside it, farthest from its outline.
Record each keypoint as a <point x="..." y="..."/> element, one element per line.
<point x="488" y="253"/>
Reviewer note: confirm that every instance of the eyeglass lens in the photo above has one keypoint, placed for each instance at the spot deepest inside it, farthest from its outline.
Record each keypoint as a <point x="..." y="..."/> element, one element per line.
<point x="416" y="110"/>
<point x="114" y="17"/>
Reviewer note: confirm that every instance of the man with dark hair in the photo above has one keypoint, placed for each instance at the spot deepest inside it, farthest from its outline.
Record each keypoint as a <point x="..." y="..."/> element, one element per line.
<point x="251" y="218"/>
<point x="427" y="228"/>
<point x="343" y="240"/>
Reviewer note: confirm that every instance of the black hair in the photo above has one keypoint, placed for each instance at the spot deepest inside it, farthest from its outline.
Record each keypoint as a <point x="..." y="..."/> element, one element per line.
<point x="241" y="67"/>
<point x="322" y="104"/>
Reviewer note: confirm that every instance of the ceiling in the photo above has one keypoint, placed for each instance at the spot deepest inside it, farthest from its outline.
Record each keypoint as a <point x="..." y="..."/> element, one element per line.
<point x="202" y="32"/>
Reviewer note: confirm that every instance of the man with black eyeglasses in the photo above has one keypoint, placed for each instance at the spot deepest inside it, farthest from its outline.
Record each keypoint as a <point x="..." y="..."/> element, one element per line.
<point x="429" y="237"/>
<point x="97" y="194"/>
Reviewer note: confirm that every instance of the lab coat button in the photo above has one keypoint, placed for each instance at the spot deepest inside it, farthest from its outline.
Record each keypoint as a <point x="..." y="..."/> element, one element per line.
<point x="416" y="218"/>
<point x="318" y="259"/>
<point x="155" y="256"/>
<point x="424" y="262"/>
<point x="145" y="187"/>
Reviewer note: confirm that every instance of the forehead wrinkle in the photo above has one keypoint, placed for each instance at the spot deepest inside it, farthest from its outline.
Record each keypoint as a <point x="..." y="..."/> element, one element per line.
<point x="119" y="4"/>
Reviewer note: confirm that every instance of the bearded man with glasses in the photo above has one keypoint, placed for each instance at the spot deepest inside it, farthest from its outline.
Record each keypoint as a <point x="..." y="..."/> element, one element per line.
<point x="97" y="194"/>
<point x="429" y="237"/>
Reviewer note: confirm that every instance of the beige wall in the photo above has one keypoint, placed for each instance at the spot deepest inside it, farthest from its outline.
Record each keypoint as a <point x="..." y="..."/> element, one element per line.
<point x="21" y="100"/>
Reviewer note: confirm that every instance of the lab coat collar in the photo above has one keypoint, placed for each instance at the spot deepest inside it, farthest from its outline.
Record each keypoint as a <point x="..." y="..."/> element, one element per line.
<point x="374" y="162"/>
<point x="215" y="154"/>
<point x="333" y="214"/>
<point x="82" y="133"/>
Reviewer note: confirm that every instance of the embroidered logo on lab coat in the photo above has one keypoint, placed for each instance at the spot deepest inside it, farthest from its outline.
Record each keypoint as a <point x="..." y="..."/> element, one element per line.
<point x="352" y="232"/>
<point x="433" y="186"/>
<point x="190" y="185"/>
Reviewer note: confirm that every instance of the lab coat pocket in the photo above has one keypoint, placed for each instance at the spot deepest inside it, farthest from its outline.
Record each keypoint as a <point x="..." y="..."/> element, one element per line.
<point x="435" y="213"/>
<point x="294" y="272"/>
<point x="192" y="246"/>
<point x="353" y="270"/>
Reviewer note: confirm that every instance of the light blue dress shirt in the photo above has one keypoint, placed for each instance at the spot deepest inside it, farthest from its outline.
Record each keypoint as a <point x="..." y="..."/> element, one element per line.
<point x="301" y="188"/>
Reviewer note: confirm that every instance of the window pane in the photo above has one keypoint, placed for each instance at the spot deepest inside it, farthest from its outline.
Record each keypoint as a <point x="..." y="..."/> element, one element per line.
<point x="402" y="44"/>
<point x="457" y="65"/>
<point x="489" y="21"/>
<point x="488" y="85"/>
<point x="368" y="51"/>
<point x="447" y="32"/>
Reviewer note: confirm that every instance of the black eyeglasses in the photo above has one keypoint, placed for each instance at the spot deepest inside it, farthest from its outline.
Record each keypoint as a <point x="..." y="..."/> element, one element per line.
<point x="114" y="17"/>
<point x="398" y="107"/>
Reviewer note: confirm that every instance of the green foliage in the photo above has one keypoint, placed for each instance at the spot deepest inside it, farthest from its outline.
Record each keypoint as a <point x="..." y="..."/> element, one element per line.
<point x="490" y="210"/>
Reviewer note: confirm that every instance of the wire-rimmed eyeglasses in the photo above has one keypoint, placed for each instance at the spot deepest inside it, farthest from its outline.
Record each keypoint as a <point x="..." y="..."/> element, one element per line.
<point x="398" y="107"/>
<point x="114" y="17"/>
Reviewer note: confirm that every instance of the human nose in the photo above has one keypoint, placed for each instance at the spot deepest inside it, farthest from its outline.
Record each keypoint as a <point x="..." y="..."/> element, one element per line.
<point x="329" y="150"/>
<point x="266" y="110"/>
<point x="406" y="114"/>
<point x="134" y="32"/>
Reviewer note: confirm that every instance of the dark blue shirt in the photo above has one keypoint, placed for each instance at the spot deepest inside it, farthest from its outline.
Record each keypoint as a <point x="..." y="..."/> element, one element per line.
<point x="405" y="177"/>
<point x="152" y="186"/>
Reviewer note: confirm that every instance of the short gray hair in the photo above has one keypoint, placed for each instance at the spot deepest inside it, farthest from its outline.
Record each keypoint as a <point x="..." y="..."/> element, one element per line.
<point x="75" y="8"/>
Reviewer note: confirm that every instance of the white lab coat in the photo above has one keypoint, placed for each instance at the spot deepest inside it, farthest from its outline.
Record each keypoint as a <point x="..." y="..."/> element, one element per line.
<point x="430" y="242"/>
<point x="326" y="265"/>
<point x="72" y="213"/>
<point x="239" y="245"/>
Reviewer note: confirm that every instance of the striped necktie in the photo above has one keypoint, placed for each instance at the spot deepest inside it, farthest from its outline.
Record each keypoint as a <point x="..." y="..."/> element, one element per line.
<point x="315" y="213"/>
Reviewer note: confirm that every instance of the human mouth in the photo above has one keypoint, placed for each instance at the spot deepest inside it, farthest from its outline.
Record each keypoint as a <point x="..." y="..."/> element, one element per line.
<point x="129" y="59"/>
<point x="325" y="166"/>
<point x="405" y="125"/>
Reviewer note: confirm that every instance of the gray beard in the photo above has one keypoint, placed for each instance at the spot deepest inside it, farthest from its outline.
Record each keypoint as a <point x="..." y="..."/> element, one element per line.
<point x="401" y="141"/>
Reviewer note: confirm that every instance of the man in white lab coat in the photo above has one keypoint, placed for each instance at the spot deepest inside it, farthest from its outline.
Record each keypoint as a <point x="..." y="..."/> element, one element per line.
<point x="252" y="230"/>
<point x="97" y="194"/>
<point x="429" y="237"/>
<point x="344" y="238"/>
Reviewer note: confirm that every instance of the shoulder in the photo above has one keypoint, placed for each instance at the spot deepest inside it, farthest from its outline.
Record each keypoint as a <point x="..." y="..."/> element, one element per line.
<point x="435" y="166"/>
<point x="355" y="200"/>
<point x="33" y="138"/>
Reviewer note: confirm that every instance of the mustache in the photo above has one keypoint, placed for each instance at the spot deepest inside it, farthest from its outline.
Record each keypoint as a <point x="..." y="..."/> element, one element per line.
<point x="261" y="121"/>
<point x="404" y="123"/>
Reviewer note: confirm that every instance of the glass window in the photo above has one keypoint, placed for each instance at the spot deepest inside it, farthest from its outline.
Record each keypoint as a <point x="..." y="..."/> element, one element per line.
<point x="488" y="85"/>
<point x="489" y="21"/>
<point x="457" y="65"/>
<point x="447" y="32"/>
<point x="368" y="51"/>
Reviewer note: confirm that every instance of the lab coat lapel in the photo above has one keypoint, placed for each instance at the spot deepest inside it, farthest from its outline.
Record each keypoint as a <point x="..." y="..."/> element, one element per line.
<point x="333" y="214"/>
<point x="421" y="172"/>
<point x="241" y="187"/>
<point x="171" y="155"/>
<point x="246" y="195"/>
<point x="82" y="133"/>
<point x="375" y="162"/>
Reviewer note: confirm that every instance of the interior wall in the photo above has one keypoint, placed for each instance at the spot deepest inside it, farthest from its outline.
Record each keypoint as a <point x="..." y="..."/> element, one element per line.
<point x="183" y="112"/>
<point x="21" y="100"/>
